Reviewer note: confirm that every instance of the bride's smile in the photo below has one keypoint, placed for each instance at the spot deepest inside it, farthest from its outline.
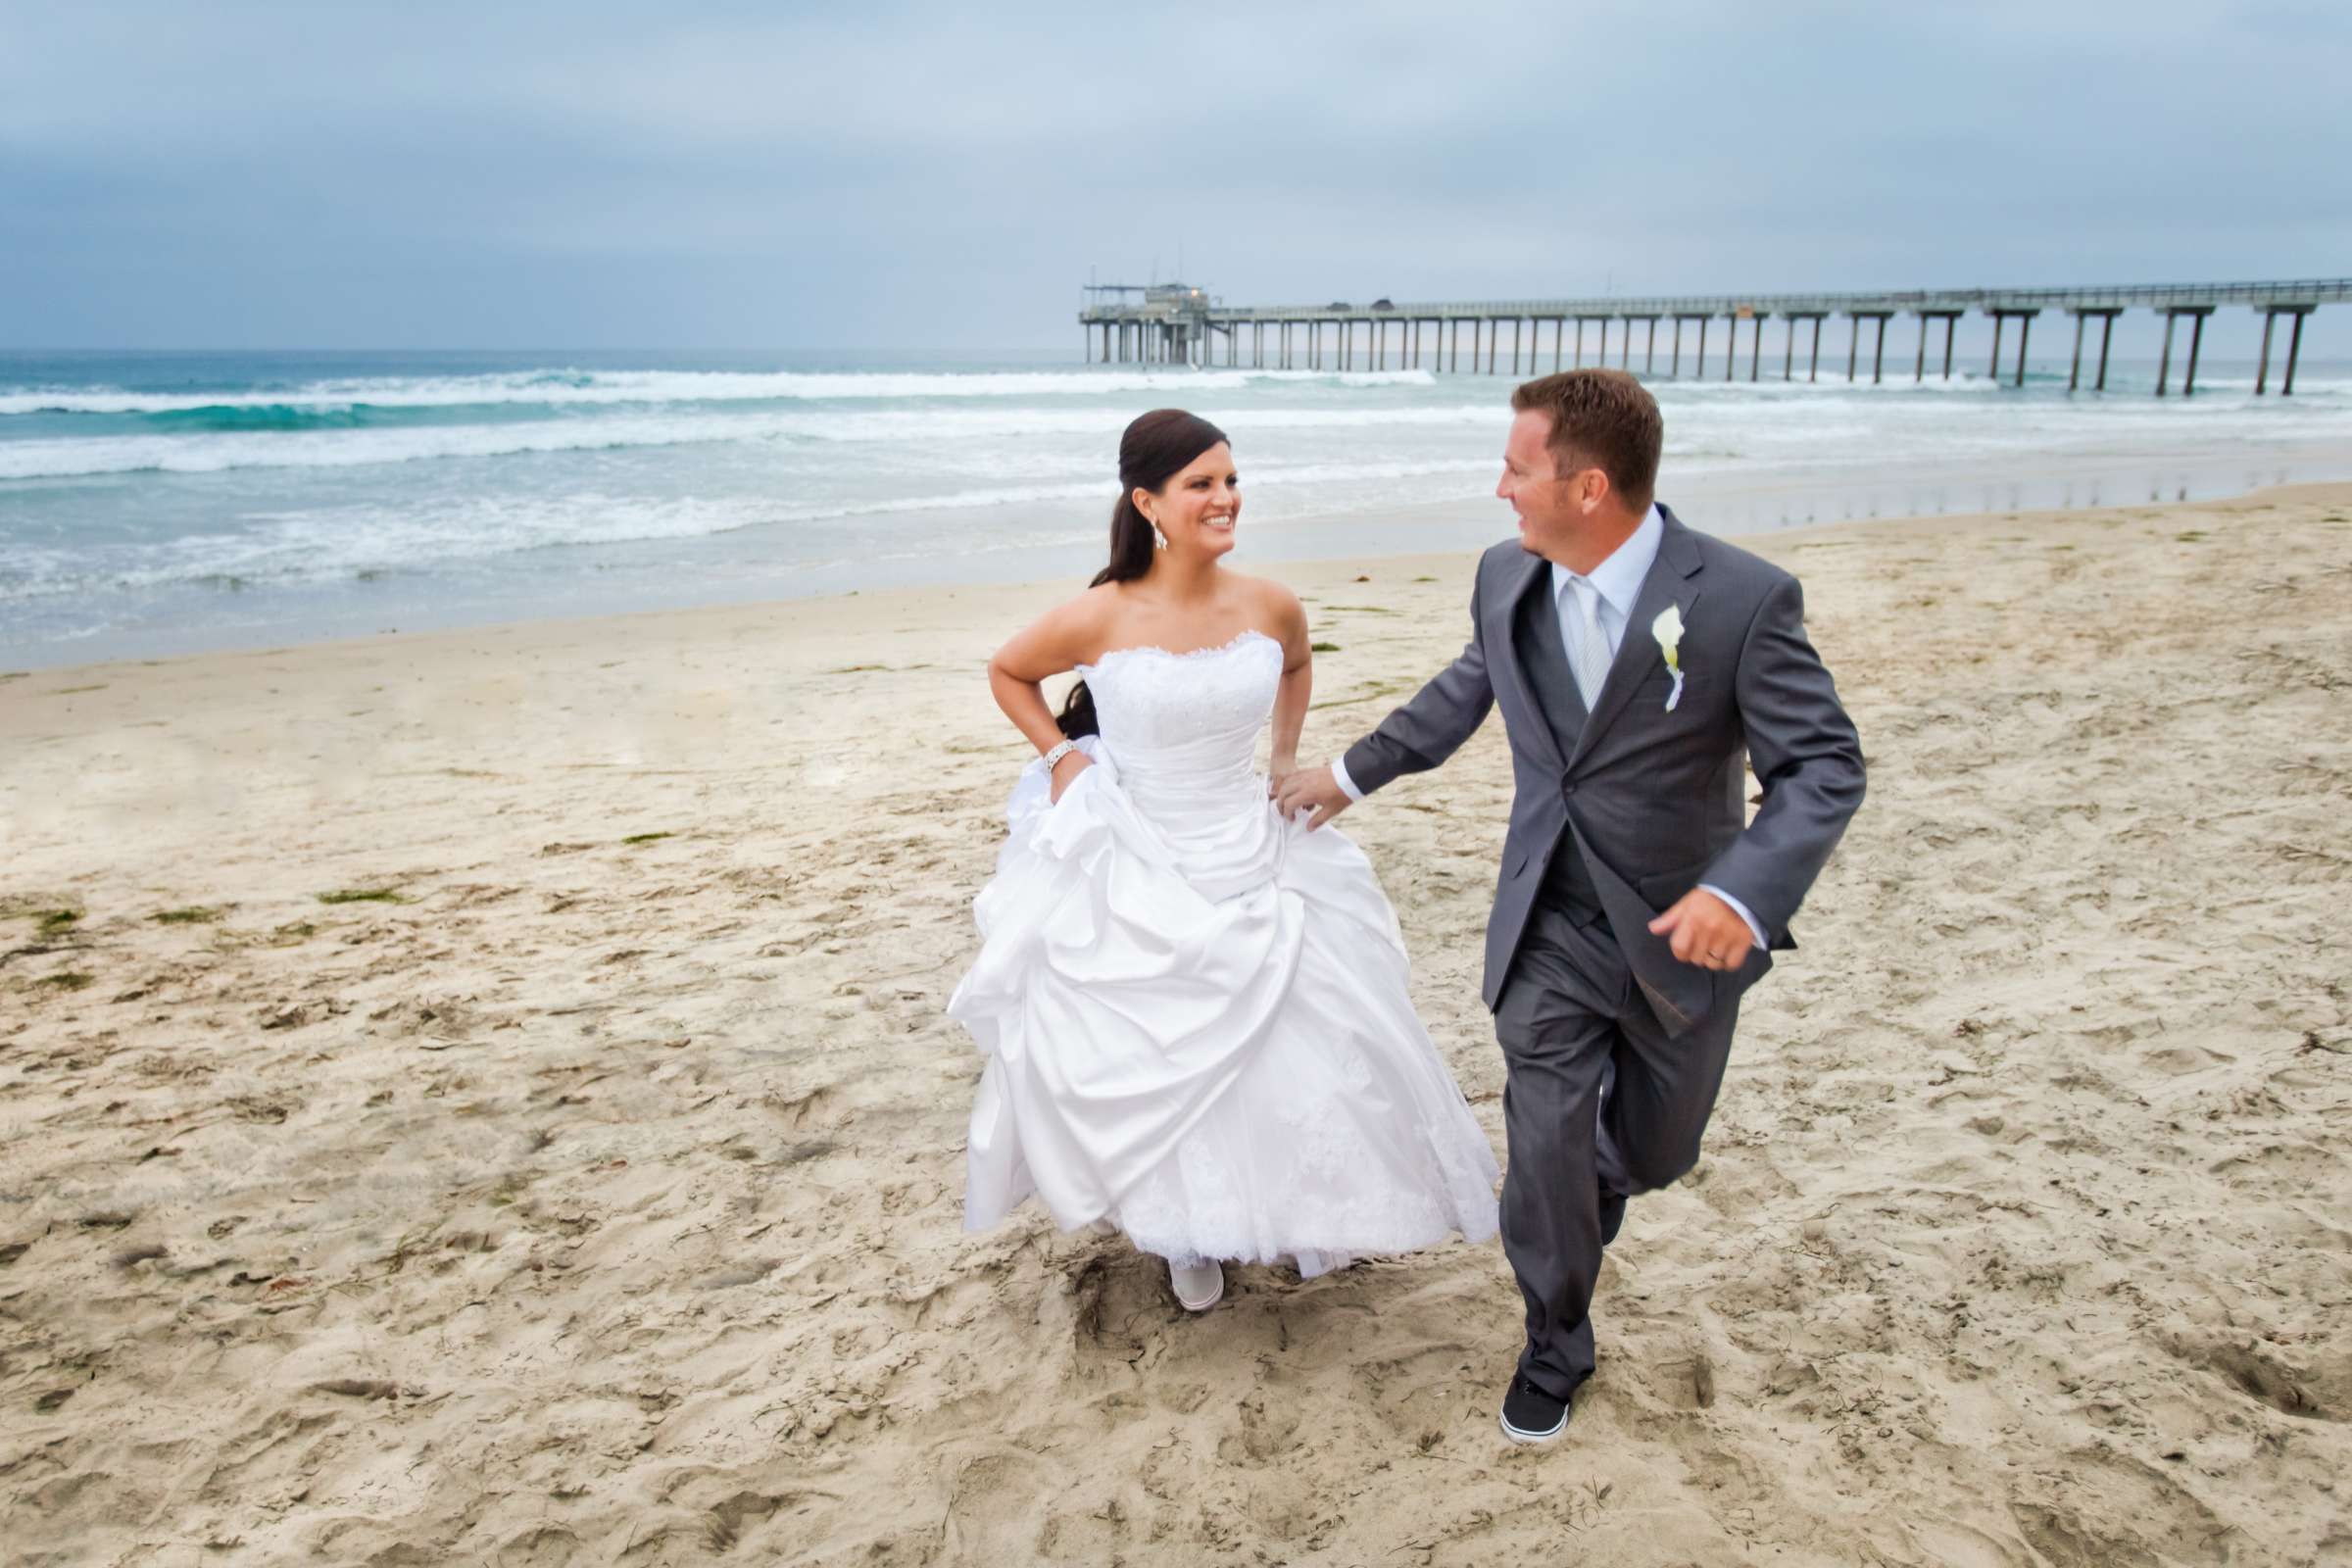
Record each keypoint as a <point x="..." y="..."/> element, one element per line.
<point x="1202" y="505"/>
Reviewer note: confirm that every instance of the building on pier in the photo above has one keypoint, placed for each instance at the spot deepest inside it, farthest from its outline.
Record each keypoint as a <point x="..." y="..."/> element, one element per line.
<point x="1154" y="323"/>
<point x="1177" y="324"/>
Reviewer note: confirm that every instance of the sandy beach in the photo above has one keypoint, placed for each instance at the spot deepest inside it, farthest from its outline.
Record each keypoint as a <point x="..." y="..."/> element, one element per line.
<point x="485" y="1097"/>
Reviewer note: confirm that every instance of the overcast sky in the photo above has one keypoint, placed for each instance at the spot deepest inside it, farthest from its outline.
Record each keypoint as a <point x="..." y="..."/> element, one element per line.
<point x="902" y="176"/>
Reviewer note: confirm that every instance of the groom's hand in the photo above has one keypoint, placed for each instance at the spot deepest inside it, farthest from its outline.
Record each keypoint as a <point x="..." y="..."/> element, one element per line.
<point x="1310" y="787"/>
<point x="1705" y="931"/>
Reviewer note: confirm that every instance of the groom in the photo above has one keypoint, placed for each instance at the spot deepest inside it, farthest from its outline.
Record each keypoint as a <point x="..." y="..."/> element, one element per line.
<point x="1638" y="665"/>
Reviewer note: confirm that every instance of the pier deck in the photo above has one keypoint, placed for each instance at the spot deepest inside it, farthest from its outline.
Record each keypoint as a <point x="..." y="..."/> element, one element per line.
<point x="1177" y="324"/>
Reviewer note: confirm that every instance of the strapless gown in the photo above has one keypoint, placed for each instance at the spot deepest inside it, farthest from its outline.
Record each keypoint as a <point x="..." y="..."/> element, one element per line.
<point x="1196" y="1012"/>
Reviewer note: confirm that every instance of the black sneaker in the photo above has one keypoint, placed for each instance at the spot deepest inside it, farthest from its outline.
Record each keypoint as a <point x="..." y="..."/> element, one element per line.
<point x="1530" y="1415"/>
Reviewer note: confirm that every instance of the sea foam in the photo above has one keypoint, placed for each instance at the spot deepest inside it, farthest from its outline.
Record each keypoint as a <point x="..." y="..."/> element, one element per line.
<point x="557" y="388"/>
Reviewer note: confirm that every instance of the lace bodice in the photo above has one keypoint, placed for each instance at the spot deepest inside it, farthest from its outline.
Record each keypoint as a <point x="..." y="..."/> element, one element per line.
<point x="1195" y="710"/>
<point x="1182" y="732"/>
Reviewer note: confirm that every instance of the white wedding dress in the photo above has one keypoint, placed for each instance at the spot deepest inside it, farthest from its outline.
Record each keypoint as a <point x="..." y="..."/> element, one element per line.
<point x="1194" y="1012"/>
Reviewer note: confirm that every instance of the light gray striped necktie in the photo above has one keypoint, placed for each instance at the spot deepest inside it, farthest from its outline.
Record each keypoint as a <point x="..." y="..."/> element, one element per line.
<point x="1588" y="644"/>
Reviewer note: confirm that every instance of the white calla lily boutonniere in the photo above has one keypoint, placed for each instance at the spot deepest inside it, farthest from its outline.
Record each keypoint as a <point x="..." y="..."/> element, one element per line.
<point x="1668" y="630"/>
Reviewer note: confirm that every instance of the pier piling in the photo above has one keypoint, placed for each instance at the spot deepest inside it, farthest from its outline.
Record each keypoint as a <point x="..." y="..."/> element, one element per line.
<point x="2001" y="315"/>
<point x="2196" y="315"/>
<point x="2082" y="314"/>
<point x="1927" y="319"/>
<point x="2294" y="343"/>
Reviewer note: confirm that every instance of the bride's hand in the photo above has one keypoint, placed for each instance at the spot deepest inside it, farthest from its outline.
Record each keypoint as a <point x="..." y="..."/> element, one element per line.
<point x="1066" y="772"/>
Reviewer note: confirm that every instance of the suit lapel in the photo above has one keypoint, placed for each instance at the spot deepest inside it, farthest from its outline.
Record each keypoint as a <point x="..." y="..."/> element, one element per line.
<point x="1522" y="581"/>
<point x="1672" y="580"/>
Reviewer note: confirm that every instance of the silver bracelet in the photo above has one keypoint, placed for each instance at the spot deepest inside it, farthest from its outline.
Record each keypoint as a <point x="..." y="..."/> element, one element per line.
<point x="1054" y="756"/>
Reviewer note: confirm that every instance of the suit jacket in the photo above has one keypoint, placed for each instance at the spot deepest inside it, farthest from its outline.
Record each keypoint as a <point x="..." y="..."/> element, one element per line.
<point x="1650" y="798"/>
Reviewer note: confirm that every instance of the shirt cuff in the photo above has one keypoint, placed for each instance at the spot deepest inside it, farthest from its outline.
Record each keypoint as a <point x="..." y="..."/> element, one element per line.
<point x="1338" y="776"/>
<point x="1740" y="909"/>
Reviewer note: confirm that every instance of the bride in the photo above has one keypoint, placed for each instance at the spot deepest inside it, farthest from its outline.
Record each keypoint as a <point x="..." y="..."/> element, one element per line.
<point x="1194" y="1012"/>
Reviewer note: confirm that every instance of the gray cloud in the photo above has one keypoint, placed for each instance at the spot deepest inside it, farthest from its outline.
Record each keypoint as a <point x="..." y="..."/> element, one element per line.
<point x="906" y="176"/>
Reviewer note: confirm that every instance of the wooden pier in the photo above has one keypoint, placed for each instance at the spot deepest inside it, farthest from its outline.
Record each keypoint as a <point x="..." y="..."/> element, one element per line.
<point x="1176" y="323"/>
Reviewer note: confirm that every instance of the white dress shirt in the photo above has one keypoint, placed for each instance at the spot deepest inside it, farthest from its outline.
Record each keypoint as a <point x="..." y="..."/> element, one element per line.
<point x="1616" y="584"/>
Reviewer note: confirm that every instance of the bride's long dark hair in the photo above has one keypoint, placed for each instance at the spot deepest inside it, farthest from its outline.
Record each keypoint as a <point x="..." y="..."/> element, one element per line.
<point x="1155" y="447"/>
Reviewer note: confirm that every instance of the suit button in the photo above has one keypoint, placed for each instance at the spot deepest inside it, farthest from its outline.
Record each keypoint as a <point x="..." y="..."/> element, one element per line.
<point x="1567" y="789"/>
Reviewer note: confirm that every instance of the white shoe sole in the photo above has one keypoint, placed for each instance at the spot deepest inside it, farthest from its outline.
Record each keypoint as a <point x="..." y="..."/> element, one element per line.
<point x="1531" y="1440"/>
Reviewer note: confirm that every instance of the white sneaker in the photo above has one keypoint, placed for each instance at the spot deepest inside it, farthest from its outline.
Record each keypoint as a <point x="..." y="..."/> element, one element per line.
<point x="1198" y="1286"/>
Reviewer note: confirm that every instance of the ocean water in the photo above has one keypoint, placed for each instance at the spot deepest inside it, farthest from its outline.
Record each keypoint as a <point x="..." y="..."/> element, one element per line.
<point x="160" y="503"/>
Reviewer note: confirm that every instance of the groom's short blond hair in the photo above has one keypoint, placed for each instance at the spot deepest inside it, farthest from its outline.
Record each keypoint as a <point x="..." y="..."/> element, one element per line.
<point x="1600" y="420"/>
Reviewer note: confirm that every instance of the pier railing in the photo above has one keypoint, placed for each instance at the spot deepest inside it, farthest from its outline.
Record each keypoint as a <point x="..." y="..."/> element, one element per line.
<point x="1176" y="324"/>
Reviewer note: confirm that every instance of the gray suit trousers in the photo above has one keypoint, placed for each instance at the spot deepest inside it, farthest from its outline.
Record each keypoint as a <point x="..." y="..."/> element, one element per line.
<point x="1570" y="1020"/>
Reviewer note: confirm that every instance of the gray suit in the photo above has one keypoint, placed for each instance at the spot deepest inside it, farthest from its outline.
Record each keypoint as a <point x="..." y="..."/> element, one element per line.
<point x="1616" y="815"/>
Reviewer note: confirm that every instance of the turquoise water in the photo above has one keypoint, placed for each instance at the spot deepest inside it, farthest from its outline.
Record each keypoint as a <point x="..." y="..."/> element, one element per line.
<point x="161" y="503"/>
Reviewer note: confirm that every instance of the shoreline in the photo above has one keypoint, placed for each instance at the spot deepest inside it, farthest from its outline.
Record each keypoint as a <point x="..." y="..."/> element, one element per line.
<point x="1384" y="524"/>
<point x="740" y="570"/>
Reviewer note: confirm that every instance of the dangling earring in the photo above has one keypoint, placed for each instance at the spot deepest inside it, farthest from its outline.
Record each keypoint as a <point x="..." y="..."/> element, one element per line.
<point x="1159" y="541"/>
